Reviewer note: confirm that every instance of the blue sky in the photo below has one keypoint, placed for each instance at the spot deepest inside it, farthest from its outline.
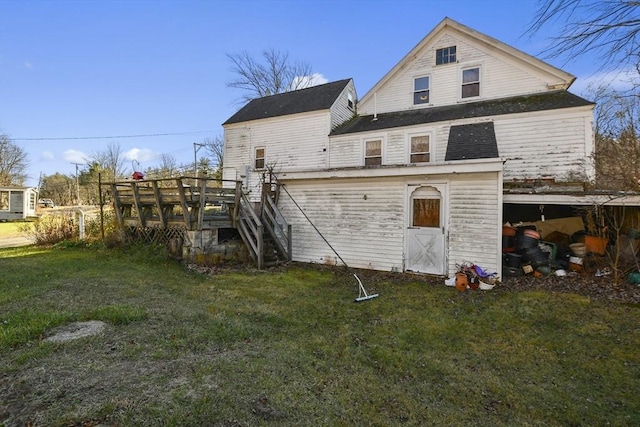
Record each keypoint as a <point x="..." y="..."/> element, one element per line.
<point x="72" y="69"/>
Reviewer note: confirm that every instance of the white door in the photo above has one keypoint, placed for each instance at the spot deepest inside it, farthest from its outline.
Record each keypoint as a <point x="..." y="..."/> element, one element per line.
<point x="426" y="229"/>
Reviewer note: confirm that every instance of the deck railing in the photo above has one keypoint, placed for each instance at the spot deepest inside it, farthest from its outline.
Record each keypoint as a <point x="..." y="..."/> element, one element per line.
<point x="163" y="202"/>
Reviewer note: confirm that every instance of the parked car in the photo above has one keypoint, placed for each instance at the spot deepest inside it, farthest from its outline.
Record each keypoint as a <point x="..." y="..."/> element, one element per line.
<point x="46" y="203"/>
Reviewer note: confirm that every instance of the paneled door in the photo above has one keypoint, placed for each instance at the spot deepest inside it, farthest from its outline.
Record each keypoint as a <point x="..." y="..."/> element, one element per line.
<point x="426" y="229"/>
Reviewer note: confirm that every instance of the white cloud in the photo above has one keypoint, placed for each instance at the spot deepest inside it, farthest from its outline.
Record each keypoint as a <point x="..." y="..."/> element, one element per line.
<point x="315" y="79"/>
<point x="28" y="64"/>
<point x="47" y="155"/>
<point x="616" y="79"/>
<point x="75" y="156"/>
<point x="140" y="154"/>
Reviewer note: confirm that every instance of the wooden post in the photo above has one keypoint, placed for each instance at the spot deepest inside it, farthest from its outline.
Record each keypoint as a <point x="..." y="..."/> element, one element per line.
<point x="158" y="197"/>
<point x="186" y="214"/>
<point x="260" y="243"/>
<point x="117" y="205"/>
<point x="136" y="199"/>
<point x="289" y="244"/>
<point x="203" y="201"/>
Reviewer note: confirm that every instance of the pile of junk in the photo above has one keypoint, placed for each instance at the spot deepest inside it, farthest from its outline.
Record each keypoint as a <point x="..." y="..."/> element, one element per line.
<point x="561" y="247"/>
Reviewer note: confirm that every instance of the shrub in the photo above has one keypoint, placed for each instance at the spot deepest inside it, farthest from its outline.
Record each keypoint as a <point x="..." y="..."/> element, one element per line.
<point x="52" y="229"/>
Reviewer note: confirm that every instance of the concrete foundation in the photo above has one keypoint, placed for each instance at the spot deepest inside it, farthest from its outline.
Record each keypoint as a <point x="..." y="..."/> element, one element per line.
<point x="203" y="248"/>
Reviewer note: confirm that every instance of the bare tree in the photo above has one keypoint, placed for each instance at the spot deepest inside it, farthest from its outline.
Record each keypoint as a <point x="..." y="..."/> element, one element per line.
<point x="608" y="28"/>
<point x="13" y="162"/>
<point x="617" y="139"/>
<point x="111" y="161"/>
<point x="271" y="74"/>
<point x="215" y="150"/>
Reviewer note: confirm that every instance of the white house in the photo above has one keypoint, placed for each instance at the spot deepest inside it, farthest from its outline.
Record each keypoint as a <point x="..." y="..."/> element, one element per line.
<point x="414" y="175"/>
<point x="17" y="203"/>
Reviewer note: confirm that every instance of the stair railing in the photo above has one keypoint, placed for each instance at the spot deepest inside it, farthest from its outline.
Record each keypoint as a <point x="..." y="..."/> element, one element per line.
<point x="250" y="229"/>
<point x="277" y="226"/>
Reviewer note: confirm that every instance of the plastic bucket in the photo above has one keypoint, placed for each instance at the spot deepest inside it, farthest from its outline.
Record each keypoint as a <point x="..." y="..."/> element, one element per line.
<point x="578" y="249"/>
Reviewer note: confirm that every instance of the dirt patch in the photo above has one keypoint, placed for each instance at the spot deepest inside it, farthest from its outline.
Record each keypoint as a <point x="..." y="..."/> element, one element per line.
<point x="76" y="330"/>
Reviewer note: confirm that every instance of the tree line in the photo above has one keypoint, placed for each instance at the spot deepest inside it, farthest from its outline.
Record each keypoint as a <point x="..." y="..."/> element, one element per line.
<point x="107" y="165"/>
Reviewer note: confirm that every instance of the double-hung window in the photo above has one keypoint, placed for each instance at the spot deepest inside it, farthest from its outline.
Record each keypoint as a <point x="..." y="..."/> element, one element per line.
<point x="373" y="152"/>
<point x="420" y="90"/>
<point x="420" y="149"/>
<point x="259" y="157"/>
<point x="471" y="82"/>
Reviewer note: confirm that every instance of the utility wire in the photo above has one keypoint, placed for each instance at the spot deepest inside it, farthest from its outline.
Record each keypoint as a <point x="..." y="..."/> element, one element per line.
<point x="110" y="137"/>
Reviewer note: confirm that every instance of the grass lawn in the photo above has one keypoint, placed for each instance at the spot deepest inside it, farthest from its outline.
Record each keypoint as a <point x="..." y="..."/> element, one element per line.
<point x="290" y="347"/>
<point x="11" y="229"/>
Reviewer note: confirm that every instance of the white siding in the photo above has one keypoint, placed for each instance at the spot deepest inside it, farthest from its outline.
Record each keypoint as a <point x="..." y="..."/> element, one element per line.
<point x="340" y="111"/>
<point x="544" y="145"/>
<point x="501" y="76"/>
<point x="295" y="142"/>
<point x="547" y="144"/>
<point x="367" y="232"/>
<point x="475" y="213"/>
<point x="365" y="220"/>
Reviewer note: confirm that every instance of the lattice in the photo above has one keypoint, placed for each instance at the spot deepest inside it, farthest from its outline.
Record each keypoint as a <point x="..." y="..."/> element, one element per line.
<point x="154" y="234"/>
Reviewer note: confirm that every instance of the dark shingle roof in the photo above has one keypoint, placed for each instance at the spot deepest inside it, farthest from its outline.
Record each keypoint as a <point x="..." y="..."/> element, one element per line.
<point x="313" y="98"/>
<point x="518" y="104"/>
<point x="473" y="141"/>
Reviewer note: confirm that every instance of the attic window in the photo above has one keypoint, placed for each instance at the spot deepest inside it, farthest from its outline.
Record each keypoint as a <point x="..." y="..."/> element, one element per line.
<point x="446" y="55"/>
<point x="373" y="152"/>
<point x="259" y="158"/>
<point x="420" y="90"/>
<point x="350" y="100"/>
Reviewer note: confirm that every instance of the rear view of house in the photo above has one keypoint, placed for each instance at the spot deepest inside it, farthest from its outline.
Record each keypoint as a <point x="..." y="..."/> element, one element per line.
<point x="414" y="176"/>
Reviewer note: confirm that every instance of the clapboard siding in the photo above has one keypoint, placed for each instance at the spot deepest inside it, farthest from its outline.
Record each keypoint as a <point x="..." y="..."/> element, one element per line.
<point x="542" y="146"/>
<point x="295" y="142"/>
<point x="501" y="76"/>
<point x="340" y="111"/>
<point x="367" y="232"/>
<point x="474" y="218"/>
<point x="534" y="145"/>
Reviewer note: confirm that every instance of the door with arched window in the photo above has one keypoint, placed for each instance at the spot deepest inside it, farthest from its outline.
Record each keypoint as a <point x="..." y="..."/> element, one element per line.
<point x="426" y="229"/>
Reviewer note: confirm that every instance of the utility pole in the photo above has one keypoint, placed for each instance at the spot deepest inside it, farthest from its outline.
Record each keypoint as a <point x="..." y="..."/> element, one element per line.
<point x="77" y="184"/>
<point x="196" y="148"/>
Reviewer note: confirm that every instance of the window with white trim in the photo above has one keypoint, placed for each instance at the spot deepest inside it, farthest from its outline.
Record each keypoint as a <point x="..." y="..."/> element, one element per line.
<point x="350" y="102"/>
<point x="420" y="149"/>
<point x="446" y="55"/>
<point x="421" y="90"/>
<point x="373" y="152"/>
<point x="471" y="82"/>
<point x="259" y="157"/>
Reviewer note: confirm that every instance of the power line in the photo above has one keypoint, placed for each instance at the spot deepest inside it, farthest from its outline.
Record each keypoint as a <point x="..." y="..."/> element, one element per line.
<point x="110" y="137"/>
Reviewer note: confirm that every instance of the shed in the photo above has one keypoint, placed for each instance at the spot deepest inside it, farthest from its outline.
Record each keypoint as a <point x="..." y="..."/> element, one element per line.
<point x="17" y="203"/>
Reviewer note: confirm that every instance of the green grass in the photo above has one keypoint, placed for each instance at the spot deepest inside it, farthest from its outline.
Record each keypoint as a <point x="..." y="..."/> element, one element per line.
<point x="291" y="348"/>
<point x="11" y="229"/>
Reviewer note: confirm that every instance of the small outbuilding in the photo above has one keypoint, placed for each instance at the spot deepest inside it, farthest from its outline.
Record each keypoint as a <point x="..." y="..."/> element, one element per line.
<point x="17" y="203"/>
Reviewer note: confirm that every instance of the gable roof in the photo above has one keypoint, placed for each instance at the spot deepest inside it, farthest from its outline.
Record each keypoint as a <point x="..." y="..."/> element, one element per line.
<point x="313" y="98"/>
<point x="472" y="141"/>
<point x="495" y="107"/>
<point x="564" y="79"/>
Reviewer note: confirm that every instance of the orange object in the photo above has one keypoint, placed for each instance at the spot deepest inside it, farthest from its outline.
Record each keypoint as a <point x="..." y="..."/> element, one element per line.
<point x="595" y="244"/>
<point x="462" y="281"/>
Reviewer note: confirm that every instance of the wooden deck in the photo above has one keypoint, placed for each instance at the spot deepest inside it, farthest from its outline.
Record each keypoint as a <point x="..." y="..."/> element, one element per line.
<point x="196" y="204"/>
